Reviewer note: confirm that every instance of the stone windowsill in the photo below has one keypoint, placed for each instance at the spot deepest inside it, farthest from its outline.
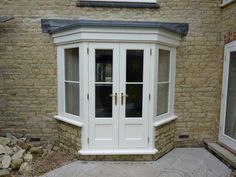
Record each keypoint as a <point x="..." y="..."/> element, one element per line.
<point x="164" y="121"/>
<point x="69" y="121"/>
<point x="116" y="4"/>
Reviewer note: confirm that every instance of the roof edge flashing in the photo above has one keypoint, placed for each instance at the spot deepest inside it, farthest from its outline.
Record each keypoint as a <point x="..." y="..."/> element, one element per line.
<point x="53" y="26"/>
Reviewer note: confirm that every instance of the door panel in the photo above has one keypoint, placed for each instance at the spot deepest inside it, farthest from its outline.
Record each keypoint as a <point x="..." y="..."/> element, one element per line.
<point x="228" y="105"/>
<point x="103" y="85"/>
<point x="134" y="86"/>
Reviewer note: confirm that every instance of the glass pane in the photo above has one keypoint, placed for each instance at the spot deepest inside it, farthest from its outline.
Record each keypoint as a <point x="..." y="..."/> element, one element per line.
<point x="103" y="100"/>
<point x="164" y="65"/>
<point x="72" y="64"/>
<point x="72" y="98"/>
<point x="104" y="65"/>
<point x="230" y="120"/>
<point x="134" y="100"/>
<point x="162" y="98"/>
<point x="134" y="66"/>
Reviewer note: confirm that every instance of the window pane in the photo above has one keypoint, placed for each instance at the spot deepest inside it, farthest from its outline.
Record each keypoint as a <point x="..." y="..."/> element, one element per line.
<point x="164" y="65"/>
<point x="162" y="98"/>
<point x="103" y="100"/>
<point x="72" y="98"/>
<point x="104" y="65"/>
<point x="134" y="66"/>
<point x="230" y="119"/>
<point x="134" y="100"/>
<point x="72" y="64"/>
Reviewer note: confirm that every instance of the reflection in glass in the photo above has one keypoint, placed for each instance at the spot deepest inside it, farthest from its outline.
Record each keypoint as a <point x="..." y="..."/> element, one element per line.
<point x="72" y="64"/>
<point x="103" y="100"/>
<point x="103" y="65"/>
<point x="134" y="66"/>
<point x="162" y="98"/>
<point x="72" y="98"/>
<point x="230" y="120"/>
<point x="164" y="65"/>
<point x="134" y="97"/>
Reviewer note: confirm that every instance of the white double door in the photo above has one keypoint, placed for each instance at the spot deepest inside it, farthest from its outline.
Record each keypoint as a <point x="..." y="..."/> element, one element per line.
<point x="118" y="95"/>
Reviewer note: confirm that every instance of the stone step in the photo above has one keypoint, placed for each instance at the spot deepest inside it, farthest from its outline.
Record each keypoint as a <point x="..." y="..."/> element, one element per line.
<point x="222" y="153"/>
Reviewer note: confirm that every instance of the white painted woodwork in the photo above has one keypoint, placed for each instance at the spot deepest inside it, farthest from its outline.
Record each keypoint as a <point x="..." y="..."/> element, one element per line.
<point x="227" y="140"/>
<point x="118" y="135"/>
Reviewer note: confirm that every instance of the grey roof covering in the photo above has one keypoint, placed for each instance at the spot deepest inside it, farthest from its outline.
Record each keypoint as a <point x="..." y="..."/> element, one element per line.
<point x="58" y="25"/>
<point x="5" y="18"/>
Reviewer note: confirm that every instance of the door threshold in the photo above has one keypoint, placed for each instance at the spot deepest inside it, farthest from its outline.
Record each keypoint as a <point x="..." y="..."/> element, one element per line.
<point x="118" y="151"/>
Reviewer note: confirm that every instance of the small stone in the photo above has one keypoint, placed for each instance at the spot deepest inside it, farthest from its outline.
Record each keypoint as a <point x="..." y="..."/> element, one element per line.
<point x="2" y="149"/>
<point x="4" y="172"/>
<point x="18" y="155"/>
<point x="21" y="140"/>
<point x="55" y="148"/>
<point x="4" y="141"/>
<point x="16" y="163"/>
<point x="6" y="161"/>
<point x="28" y="157"/>
<point x="25" y="168"/>
<point x="25" y="146"/>
<point x="36" y="150"/>
<point x="8" y="150"/>
<point x="16" y="148"/>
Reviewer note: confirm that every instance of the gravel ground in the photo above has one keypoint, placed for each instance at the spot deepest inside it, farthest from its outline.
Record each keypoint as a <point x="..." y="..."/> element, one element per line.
<point x="51" y="161"/>
<point x="47" y="162"/>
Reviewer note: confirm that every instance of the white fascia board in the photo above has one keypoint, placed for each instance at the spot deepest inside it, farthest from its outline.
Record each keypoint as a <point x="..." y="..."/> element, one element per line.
<point x="117" y="35"/>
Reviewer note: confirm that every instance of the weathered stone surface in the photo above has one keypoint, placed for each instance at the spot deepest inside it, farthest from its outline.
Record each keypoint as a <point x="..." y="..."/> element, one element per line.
<point x="8" y="150"/>
<point x="28" y="157"/>
<point x="4" y="172"/>
<point x="24" y="145"/>
<point x="6" y="161"/>
<point x="4" y="141"/>
<point x="36" y="150"/>
<point x="28" y="65"/>
<point x="25" y="168"/>
<point x="18" y="155"/>
<point x="55" y="148"/>
<point x="2" y="149"/>
<point x="16" y="163"/>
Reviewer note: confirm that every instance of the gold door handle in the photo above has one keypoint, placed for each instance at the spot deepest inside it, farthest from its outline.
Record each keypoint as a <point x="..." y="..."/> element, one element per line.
<point x="122" y="98"/>
<point x="115" y="98"/>
<point x="111" y="95"/>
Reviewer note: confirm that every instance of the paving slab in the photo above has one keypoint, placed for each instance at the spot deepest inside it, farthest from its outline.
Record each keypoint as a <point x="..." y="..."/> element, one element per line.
<point x="180" y="162"/>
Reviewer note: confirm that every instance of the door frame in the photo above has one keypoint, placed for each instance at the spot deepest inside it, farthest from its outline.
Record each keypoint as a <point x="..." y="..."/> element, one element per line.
<point x="225" y="139"/>
<point x="93" y="121"/>
<point x="92" y="46"/>
<point x="144" y="120"/>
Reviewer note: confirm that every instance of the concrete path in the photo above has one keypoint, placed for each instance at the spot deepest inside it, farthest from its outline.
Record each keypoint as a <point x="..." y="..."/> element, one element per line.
<point x="181" y="162"/>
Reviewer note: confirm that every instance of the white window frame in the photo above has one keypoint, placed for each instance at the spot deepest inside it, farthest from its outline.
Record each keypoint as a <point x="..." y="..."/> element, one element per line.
<point x="227" y="140"/>
<point x="62" y="114"/>
<point x="169" y="116"/>
<point x="126" y="1"/>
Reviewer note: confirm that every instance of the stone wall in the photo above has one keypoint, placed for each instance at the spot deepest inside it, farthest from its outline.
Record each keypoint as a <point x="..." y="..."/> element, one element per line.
<point x="28" y="64"/>
<point x="165" y="138"/>
<point x="69" y="137"/>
